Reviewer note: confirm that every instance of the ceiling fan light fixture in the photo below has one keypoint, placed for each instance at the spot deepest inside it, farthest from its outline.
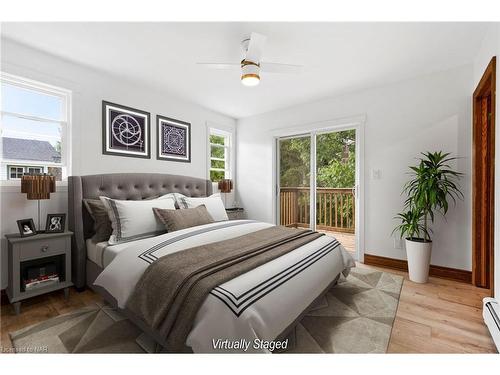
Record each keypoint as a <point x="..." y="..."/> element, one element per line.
<point x="250" y="73"/>
<point x="250" y="79"/>
<point x="252" y="49"/>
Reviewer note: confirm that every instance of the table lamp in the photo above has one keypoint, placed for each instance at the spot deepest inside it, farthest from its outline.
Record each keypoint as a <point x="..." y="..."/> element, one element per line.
<point x="225" y="186"/>
<point x="38" y="186"/>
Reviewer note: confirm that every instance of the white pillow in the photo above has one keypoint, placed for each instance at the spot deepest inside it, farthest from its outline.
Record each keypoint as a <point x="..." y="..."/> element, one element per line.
<point x="213" y="203"/>
<point x="132" y="220"/>
<point x="178" y="198"/>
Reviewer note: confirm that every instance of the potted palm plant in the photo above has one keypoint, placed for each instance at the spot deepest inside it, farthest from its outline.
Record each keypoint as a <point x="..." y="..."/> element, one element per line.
<point x="432" y="185"/>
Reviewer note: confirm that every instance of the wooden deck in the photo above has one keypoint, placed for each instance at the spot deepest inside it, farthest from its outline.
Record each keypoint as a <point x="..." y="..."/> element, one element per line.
<point x="335" y="208"/>
<point x="348" y="240"/>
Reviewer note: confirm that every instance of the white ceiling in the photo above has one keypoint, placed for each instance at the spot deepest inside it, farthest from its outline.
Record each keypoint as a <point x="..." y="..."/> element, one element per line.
<point x="338" y="57"/>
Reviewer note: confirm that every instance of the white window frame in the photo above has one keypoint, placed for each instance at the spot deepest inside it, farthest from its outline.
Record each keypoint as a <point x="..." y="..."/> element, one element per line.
<point x="17" y="167"/>
<point x="65" y="123"/>
<point x="42" y="168"/>
<point x="228" y="151"/>
<point x="25" y="169"/>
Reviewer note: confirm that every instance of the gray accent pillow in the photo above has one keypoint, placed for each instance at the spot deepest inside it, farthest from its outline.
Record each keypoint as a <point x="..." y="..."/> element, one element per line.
<point x="181" y="219"/>
<point x="102" y="224"/>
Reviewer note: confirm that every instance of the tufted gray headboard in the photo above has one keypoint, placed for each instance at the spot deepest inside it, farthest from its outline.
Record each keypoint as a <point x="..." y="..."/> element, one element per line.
<point x="133" y="186"/>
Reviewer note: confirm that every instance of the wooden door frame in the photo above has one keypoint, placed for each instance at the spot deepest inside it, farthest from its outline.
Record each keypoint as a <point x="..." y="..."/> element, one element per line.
<point x="483" y="152"/>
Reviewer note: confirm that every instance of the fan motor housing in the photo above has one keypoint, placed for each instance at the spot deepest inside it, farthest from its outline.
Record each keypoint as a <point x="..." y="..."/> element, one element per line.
<point x="244" y="45"/>
<point x="250" y="69"/>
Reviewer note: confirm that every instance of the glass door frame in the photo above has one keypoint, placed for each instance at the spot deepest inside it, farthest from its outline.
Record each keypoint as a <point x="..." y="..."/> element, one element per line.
<point x="312" y="131"/>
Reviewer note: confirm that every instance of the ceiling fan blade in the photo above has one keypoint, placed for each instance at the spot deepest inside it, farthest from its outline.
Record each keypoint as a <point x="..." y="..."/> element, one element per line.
<point x="280" y="68"/>
<point x="220" y="66"/>
<point x="255" y="47"/>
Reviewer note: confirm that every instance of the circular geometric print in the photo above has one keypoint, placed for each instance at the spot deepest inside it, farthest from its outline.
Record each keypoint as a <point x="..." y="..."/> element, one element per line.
<point x="126" y="130"/>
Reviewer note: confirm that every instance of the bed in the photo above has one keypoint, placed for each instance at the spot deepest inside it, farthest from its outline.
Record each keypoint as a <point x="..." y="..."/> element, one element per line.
<point x="238" y="308"/>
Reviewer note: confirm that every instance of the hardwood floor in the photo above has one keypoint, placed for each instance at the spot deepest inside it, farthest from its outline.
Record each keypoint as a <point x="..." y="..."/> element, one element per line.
<point x="441" y="316"/>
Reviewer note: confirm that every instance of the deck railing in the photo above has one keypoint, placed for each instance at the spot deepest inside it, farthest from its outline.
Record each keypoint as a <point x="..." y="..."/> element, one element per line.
<point x="335" y="208"/>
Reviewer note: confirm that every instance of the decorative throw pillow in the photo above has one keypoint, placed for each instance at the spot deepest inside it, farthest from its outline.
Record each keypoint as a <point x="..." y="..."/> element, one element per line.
<point x="213" y="203"/>
<point x="179" y="199"/>
<point x="102" y="225"/>
<point x="181" y="219"/>
<point x="132" y="220"/>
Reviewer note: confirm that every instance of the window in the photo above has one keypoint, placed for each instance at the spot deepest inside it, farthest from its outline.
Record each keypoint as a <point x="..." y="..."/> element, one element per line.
<point x="15" y="172"/>
<point x="34" y="129"/>
<point x="220" y="154"/>
<point x="35" y="170"/>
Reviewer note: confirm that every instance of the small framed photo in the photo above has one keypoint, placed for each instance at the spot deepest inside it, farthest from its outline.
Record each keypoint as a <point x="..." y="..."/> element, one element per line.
<point x="26" y="227"/>
<point x="174" y="139"/>
<point x="55" y="223"/>
<point x="125" y="131"/>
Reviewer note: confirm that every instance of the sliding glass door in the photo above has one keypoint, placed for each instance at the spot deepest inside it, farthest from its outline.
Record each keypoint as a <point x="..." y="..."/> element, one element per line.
<point x="336" y="186"/>
<point x="318" y="179"/>
<point x="294" y="181"/>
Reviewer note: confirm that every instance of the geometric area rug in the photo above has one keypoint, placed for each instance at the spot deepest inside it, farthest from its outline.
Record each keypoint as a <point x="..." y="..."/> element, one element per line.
<point x="97" y="328"/>
<point x="354" y="316"/>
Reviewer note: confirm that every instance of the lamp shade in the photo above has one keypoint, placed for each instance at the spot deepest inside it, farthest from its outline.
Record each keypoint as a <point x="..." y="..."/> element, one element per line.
<point x="226" y="185"/>
<point x="38" y="186"/>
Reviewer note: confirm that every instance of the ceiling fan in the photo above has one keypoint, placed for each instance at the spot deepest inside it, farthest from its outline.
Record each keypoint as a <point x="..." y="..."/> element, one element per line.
<point x="251" y="65"/>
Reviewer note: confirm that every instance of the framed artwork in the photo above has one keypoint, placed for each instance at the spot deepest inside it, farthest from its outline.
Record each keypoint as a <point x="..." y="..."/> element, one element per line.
<point x="174" y="139"/>
<point x="26" y="227"/>
<point x="125" y="131"/>
<point x="55" y="223"/>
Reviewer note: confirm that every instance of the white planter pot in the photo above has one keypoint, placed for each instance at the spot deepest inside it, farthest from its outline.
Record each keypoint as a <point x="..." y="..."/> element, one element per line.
<point x="419" y="259"/>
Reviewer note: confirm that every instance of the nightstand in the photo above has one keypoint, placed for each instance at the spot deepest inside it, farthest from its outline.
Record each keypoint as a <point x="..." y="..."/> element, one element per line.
<point x="38" y="256"/>
<point x="235" y="213"/>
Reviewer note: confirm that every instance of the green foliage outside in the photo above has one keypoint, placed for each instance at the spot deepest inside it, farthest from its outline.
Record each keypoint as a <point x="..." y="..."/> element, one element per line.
<point x="217" y="152"/>
<point x="217" y="139"/>
<point x="335" y="163"/>
<point x="335" y="160"/>
<point x="216" y="176"/>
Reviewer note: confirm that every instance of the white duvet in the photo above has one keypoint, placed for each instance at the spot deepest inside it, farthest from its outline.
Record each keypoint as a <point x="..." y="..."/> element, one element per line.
<point x="258" y="305"/>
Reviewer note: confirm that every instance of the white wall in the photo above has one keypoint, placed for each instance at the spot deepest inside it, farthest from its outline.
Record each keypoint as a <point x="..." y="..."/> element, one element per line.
<point x="490" y="47"/>
<point x="89" y="88"/>
<point x="428" y="113"/>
